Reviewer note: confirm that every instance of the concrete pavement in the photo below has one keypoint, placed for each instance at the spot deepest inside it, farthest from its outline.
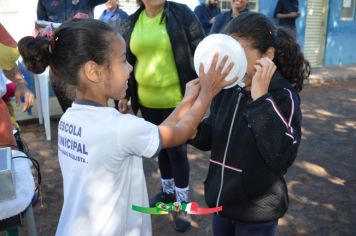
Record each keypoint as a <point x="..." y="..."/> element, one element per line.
<point x="327" y="74"/>
<point x="321" y="182"/>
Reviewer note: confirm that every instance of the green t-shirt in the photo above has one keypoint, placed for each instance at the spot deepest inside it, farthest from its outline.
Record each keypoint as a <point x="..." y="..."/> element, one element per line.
<point x="155" y="69"/>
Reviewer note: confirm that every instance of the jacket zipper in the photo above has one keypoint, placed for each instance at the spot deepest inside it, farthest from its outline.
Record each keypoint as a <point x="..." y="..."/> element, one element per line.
<point x="227" y="145"/>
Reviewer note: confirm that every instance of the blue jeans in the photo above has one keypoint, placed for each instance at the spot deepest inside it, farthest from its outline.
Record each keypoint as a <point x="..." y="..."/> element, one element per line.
<point x="226" y="227"/>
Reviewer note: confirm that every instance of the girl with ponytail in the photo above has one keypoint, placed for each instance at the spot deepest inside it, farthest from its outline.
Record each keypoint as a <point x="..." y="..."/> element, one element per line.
<point x="100" y="150"/>
<point x="254" y="132"/>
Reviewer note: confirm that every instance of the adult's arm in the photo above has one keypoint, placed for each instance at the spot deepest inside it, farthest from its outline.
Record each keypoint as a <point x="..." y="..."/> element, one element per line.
<point x="198" y="11"/>
<point x="287" y="15"/>
<point x="22" y="89"/>
<point x="280" y="14"/>
<point x="216" y="27"/>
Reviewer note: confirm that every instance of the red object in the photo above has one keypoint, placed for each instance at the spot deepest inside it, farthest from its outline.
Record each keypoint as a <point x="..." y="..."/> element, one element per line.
<point x="6" y="137"/>
<point x="5" y="38"/>
<point x="195" y="210"/>
<point x="10" y="91"/>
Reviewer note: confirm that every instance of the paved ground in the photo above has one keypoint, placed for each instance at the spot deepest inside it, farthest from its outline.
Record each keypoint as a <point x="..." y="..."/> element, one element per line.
<point x="322" y="182"/>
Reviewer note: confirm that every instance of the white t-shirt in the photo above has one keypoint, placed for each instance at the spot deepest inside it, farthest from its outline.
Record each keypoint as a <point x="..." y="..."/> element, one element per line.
<point x="100" y="152"/>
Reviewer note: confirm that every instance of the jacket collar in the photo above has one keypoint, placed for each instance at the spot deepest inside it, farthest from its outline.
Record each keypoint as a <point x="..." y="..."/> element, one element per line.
<point x="278" y="81"/>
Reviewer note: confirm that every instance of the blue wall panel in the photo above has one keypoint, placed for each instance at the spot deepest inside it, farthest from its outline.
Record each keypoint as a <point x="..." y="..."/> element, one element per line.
<point x="340" y="48"/>
<point x="267" y="8"/>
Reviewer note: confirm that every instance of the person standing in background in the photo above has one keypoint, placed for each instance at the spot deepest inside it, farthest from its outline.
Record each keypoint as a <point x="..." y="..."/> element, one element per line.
<point x="237" y="6"/>
<point x="103" y="174"/>
<point x="286" y="12"/>
<point x="113" y="14"/>
<point x="9" y="70"/>
<point x="59" y="11"/>
<point x="8" y="57"/>
<point x="161" y="38"/>
<point x="206" y="13"/>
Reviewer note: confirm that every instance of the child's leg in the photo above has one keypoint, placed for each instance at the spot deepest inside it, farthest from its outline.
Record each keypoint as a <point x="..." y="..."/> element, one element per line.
<point x="262" y="229"/>
<point x="225" y="226"/>
<point x="222" y="226"/>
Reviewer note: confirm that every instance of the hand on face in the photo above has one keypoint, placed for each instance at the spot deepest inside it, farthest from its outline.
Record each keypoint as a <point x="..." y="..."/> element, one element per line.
<point x="265" y="69"/>
<point x="214" y="81"/>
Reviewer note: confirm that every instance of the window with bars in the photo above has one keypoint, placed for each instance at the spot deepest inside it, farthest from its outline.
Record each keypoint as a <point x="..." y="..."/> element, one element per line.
<point x="348" y="10"/>
<point x="225" y="5"/>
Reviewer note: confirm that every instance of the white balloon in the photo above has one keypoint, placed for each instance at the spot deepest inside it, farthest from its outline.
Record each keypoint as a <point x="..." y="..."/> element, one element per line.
<point x="224" y="45"/>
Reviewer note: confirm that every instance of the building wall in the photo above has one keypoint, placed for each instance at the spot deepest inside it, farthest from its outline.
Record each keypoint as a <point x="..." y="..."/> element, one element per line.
<point x="340" y="42"/>
<point x="340" y="36"/>
<point x="18" y="17"/>
<point x="267" y="8"/>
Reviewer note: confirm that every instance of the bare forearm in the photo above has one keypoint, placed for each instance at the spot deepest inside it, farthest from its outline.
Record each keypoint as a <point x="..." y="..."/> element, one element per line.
<point x="173" y="135"/>
<point x="178" y="112"/>
<point x="287" y="15"/>
<point x="15" y="75"/>
<point x="210" y="84"/>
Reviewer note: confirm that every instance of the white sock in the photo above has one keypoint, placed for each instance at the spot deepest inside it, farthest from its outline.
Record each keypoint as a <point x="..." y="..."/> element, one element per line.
<point x="168" y="186"/>
<point x="182" y="194"/>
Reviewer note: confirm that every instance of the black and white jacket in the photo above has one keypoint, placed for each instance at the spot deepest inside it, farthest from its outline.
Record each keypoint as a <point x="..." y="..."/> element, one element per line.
<point x="252" y="145"/>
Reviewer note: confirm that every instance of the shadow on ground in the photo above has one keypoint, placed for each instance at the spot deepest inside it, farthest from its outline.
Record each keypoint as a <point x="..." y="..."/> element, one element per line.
<point x="322" y="181"/>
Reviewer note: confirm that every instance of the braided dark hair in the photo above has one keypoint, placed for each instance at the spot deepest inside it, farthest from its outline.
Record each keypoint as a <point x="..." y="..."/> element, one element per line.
<point x="263" y="34"/>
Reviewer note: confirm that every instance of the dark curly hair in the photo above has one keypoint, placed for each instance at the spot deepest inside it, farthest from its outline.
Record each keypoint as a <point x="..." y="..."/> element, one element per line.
<point x="74" y="43"/>
<point x="263" y="34"/>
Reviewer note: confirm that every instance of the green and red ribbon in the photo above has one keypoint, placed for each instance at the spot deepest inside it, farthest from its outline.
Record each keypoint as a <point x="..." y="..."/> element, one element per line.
<point x="165" y="208"/>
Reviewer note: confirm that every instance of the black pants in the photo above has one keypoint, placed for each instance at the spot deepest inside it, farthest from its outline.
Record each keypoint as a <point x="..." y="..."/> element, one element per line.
<point x="173" y="162"/>
<point x="224" y="227"/>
